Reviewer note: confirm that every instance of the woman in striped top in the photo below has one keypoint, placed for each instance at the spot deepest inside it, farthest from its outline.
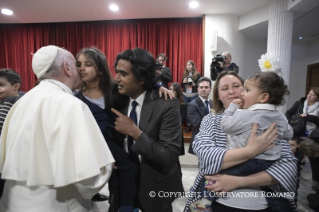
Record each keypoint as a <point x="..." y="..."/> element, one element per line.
<point x="210" y="144"/>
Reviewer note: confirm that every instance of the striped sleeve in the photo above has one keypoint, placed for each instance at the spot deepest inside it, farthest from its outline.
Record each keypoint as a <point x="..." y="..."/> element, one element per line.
<point x="285" y="172"/>
<point x="209" y="146"/>
<point x="4" y="109"/>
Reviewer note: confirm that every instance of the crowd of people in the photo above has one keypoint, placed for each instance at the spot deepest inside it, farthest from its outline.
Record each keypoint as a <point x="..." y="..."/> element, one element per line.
<point x="79" y="129"/>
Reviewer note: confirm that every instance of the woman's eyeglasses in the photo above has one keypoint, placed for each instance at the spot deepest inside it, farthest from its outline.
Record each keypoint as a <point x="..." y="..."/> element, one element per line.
<point x="312" y="95"/>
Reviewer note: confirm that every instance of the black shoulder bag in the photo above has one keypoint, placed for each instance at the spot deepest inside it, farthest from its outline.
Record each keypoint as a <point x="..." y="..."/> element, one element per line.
<point x="298" y="123"/>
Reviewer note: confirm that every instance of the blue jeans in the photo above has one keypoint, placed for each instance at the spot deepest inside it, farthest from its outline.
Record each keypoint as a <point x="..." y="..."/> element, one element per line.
<point x="188" y="100"/>
<point x="251" y="166"/>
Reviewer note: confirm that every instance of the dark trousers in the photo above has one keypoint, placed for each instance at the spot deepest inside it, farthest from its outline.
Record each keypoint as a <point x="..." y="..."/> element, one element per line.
<point x="314" y="163"/>
<point x="277" y="204"/>
<point x="122" y="181"/>
<point x="188" y="100"/>
<point x="251" y="166"/>
<point x="1" y="186"/>
<point x="217" y="207"/>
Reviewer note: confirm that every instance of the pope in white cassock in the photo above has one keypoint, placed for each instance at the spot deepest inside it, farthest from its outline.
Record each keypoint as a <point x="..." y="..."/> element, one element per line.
<point x="52" y="153"/>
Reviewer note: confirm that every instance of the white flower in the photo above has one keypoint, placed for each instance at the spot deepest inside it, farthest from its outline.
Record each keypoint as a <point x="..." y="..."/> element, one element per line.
<point x="269" y="62"/>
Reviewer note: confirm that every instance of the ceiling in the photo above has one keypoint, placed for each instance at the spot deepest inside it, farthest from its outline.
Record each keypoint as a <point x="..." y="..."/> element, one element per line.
<point x="35" y="11"/>
<point x="42" y="11"/>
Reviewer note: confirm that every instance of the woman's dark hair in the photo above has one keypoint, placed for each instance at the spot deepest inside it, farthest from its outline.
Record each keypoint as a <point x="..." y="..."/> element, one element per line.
<point x="273" y="84"/>
<point x="194" y="70"/>
<point x="106" y="83"/>
<point x="143" y="65"/>
<point x="179" y="94"/>
<point x="218" y="106"/>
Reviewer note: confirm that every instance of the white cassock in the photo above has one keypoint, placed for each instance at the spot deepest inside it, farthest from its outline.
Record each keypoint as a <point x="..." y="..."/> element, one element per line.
<point x="53" y="155"/>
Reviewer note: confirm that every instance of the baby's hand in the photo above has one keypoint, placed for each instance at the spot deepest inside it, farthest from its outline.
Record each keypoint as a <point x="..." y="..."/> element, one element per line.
<point x="239" y="102"/>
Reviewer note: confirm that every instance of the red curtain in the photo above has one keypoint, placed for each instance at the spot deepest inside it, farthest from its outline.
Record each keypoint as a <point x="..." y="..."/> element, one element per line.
<point x="180" y="39"/>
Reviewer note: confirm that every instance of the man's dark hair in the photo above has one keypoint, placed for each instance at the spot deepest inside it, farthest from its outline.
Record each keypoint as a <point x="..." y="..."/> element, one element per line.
<point x="273" y="84"/>
<point x="143" y="65"/>
<point x="162" y="55"/>
<point x="11" y="76"/>
<point x="204" y="79"/>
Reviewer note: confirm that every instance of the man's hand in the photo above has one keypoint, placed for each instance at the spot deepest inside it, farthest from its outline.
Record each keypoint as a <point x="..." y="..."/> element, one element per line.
<point x="158" y="71"/>
<point x="126" y="125"/>
<point x="165" y="92"/>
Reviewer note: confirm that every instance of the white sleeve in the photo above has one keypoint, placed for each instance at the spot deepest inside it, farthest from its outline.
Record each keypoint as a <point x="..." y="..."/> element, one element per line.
<point x="89" y="187"/>
<point x="233" y="119"/>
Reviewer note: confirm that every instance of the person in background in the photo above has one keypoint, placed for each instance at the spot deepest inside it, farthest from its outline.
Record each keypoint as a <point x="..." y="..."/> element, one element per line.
<point x="163" y="73"/>
<point x="310" y="148"/>
<point x="189" y="86"/>
<point x="10" y="84"/>
<point x="199" y="107"/>
<point x="294" y="145"/>
<point x="53" y="154"/>
<point x="218" y="65"/>
<point x="177" y="90"/>
<point x="308" y="107"/>
<point x="228" y="65"/>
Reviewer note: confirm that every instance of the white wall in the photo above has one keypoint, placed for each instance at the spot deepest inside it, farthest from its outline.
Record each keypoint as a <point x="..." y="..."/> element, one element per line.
<point x="229" y="39"/>
<point x="303" y="53"/>
<point x="246" y="52"/>
<point x="254" y="17"/>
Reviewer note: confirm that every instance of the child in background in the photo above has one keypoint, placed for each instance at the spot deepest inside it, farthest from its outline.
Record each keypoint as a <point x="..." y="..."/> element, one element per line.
<point x="10" y="83"/>
<point x="263" y="91"/>
<point x="294" y="145"/>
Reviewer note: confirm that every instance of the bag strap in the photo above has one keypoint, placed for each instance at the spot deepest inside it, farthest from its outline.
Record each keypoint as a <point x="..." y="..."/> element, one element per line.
<point x="299" y="107"/>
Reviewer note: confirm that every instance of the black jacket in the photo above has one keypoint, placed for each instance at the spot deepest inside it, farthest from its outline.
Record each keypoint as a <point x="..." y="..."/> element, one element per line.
<point x="194" y="88"/>
<point x="214" y="71"/>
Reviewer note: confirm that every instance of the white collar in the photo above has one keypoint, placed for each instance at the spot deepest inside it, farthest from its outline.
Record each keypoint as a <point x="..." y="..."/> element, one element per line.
<point x="262" y="107"/>
<point x="139" y="99"/>
<point x="203" y="100"/>
<point x="60" y="84"/>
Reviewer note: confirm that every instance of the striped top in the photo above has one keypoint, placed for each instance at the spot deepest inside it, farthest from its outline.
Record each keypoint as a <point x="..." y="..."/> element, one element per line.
<point x="5" y="106"/>
<point x="210" y="147"/>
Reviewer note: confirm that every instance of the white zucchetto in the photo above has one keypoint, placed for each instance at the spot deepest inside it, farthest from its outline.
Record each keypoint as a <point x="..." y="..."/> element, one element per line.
<point x="43" y="59"/>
